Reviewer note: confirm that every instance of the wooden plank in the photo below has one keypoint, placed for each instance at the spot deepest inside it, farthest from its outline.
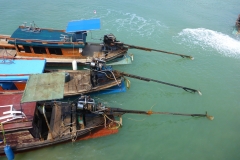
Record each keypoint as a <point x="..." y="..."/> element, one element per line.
<point x="70" y="86"/>
<point x="98" y="55"/>
<point x="7" y="52"/>
<point x="71" y="52"/>
<point x="66" y="88"/>
<point x="18" y="137"/>
<point x="6" y="45"/>
<point x="74" y="119"/>
<point x="66" y="114"/>
<point x="55" y="122"/>
<point x="51" y="56"/>
<point x="17" y="125"/>
<point x="83" y="82"/>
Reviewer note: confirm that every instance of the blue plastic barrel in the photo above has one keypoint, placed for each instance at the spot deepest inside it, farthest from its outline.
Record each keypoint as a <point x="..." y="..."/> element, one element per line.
<point x="9" y="153"/>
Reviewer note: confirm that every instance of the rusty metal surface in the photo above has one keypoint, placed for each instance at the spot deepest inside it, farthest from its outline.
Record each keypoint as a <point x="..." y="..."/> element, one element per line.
<point x="46" y="86"/>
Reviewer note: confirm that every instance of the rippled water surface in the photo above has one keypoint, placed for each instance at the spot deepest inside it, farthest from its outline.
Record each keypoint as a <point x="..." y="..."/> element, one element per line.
<point x="202" y="29"/>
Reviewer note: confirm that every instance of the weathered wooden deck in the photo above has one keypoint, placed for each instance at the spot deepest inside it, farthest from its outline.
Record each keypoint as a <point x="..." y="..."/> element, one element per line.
<point x="79" y="82"/>
<point x="61" y="121"/>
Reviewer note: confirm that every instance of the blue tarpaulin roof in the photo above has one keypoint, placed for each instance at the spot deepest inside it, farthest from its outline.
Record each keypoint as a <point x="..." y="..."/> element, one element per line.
<point x="83" y="25"/>
<point x="20" y="68"/>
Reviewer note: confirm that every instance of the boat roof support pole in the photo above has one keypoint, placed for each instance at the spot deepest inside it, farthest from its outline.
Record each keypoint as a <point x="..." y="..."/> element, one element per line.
<point x="47" y="121"/>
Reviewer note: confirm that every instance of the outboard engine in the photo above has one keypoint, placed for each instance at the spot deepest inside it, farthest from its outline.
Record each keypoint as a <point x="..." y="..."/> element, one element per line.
<point x="87" y="103"/>
<point x="111" y="44"/>
<point x="109" y="39"/>
<point x="100" y="72"/>
<point x="97" y="64"/>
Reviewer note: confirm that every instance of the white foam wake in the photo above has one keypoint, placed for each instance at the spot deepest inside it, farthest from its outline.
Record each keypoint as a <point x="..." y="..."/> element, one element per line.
<point x="210" y="40"/>
<point x="133" y="24"/>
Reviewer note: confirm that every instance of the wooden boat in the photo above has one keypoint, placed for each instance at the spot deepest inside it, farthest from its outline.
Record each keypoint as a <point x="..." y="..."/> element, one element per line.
<point x="62" y="47"/>
<point x="98" y="78"/>
<point x="89" y="81"/>
<point x="33" y="122"/>
<point x="35" y="119"/>
<point x="14" y="74"/>
<point x="27" y="126"/>
<point x="238" y="24"/>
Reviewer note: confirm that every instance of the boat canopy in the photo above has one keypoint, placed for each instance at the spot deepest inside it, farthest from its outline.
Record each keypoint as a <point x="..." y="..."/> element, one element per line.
<point x="83" y="25"/>
<point x="46" y="86"/>
<point x="19" y="69"/>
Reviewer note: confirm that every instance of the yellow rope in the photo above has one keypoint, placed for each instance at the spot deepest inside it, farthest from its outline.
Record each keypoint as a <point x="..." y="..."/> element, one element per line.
<point x="131" y="55"/>
<point x="112" y="121"/>
<point x="128" y="83"/>
<point x="114" y="77"/>
<point x="4" y="138"/>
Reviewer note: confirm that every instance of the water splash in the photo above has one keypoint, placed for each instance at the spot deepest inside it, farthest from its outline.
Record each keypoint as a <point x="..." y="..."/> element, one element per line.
<point x="210" y="40"/>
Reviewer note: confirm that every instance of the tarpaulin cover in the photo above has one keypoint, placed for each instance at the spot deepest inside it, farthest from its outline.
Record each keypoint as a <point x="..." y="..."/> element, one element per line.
<point x="83" y="25"/>
<point x="19" y="69"/>
<point x="46" y="86"/>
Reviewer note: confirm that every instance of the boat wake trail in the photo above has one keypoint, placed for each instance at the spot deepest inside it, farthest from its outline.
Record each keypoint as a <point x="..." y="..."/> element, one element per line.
<point x="210" y="40"/>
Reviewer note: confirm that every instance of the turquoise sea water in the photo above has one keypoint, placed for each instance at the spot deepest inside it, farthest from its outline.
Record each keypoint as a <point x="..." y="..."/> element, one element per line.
<point x="202" y="29"/>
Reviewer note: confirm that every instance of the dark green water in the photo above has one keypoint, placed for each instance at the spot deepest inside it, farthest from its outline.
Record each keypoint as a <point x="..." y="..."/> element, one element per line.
<point x="202" y="29"/>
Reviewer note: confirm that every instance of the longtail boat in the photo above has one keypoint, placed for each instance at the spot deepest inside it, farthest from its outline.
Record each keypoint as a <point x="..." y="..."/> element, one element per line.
<point x="62" y="47"/>
<point x="14" y="74"/>
<point x="34" y="120"/>
<point x="97" y="78"/>
<point x="32" y="125"/>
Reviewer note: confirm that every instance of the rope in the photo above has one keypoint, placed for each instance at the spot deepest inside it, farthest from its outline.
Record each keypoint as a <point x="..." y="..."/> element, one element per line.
<point x="127" y="82"/>
<point x="112" y="121"/>
<point x="3" y="132"/>
<point x="131" y="55"/>
<point x="110" y="77"/>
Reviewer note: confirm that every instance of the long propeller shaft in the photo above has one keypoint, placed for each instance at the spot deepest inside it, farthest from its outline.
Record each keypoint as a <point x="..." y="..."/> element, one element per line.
<point x="123" y="111"/>
<point x="157" y="50"/>
<point x="158" y="81"/>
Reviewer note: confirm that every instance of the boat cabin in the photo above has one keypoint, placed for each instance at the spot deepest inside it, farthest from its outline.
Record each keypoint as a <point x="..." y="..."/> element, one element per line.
<point x="42" y="42"/>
